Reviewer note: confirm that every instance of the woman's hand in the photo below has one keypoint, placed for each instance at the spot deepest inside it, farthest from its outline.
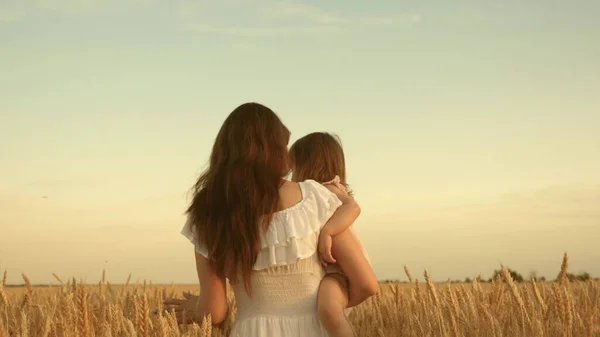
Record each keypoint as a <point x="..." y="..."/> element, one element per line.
<point x="186" y="309"/>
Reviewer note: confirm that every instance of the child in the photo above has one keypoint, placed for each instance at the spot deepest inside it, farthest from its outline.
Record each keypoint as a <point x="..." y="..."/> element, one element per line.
<point x="319" y="156"/>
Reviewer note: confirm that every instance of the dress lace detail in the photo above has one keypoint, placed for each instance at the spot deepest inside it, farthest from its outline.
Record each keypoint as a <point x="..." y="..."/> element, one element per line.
<point x="283" y="302"/>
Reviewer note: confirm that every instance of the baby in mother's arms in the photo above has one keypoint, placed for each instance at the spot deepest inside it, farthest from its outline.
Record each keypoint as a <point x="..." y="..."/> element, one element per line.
<point x="319" y="156"/>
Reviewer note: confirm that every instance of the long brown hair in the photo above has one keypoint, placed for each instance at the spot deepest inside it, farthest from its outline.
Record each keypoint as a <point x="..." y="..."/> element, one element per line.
<point x="236" y="196"/>
<point x="319" y="156"/>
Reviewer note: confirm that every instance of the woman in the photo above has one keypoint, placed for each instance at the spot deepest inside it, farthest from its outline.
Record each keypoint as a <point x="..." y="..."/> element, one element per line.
<point x="251" y="226"/>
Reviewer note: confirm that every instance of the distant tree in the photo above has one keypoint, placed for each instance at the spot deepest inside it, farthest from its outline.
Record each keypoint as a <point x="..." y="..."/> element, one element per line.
<point x="513" y="274"/>
<point x="585" y="276"/>
<point x="468" y="280"/>
<point x="391" y="281"/>
<point x="533" y="275"/>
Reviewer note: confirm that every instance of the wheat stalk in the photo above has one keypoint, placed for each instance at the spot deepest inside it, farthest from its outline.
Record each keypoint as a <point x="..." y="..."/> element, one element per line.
<point x="533" y="309"/>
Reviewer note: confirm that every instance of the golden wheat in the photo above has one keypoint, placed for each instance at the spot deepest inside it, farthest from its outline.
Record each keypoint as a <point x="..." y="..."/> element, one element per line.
<point x="502" y="308"/>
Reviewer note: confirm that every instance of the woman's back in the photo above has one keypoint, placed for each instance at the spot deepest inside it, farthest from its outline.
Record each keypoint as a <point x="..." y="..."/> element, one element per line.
<point x="287" y="272"/>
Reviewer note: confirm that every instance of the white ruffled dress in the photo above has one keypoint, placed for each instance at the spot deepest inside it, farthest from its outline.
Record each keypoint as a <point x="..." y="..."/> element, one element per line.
<point x="287" y="272"/>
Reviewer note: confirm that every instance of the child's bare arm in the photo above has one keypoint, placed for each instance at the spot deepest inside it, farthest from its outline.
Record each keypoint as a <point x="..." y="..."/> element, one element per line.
<point x="344" y="216"/>
<point x="339" y="222"/>
<point x="362" y="282"/>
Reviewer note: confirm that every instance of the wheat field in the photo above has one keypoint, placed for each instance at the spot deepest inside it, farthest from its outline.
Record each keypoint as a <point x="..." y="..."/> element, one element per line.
<point x="419" y="308"/>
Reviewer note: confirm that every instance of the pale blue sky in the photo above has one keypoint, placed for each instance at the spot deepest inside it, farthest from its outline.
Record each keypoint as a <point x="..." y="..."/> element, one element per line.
<point x="470" y="127"/>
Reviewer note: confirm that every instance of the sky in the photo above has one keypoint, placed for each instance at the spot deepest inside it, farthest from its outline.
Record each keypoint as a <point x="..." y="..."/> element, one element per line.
<point x="470" y="127"/>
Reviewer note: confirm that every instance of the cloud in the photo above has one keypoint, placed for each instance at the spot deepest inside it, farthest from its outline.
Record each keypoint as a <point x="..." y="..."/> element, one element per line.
<point x="392" y="20"/>
<point x="243" y="47"/>
<point x="286" y="18"/>
<point x="54" y="184"/>
<point x="317" y="15"/>
<point x="300" y="11"/>
<point x="260" y="31"/>
<point x="536" y="209"/>
<point x="563" y="204"/>
<point x="79" y="6"/>
<point x="21" y="9"/>
<point x="562" y="195"/>
<point x="11" y="14"/>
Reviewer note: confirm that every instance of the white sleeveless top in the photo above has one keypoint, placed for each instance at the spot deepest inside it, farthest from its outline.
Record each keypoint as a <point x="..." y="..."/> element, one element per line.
<point x="287" y="272"/>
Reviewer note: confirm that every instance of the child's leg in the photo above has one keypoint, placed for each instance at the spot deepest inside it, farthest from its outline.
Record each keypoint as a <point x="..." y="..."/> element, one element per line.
<point x="348" y="252"/>
<point x="332" y="300"/>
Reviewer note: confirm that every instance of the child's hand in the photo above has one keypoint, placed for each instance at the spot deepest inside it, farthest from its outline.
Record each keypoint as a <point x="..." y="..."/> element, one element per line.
<point x="325" y="241"/>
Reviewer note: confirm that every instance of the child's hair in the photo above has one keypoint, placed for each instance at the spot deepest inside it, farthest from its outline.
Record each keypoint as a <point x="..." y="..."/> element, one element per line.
<point x="319" y="156"/>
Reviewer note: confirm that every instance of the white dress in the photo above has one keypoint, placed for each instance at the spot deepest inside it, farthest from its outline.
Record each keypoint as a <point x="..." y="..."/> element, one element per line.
<point x="287" y="272"/>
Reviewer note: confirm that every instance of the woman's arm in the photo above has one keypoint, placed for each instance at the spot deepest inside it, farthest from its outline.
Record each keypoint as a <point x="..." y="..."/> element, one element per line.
<point x="212" y="299"/>
<point x="213" y="296"/>
<point x="362" y="282"/>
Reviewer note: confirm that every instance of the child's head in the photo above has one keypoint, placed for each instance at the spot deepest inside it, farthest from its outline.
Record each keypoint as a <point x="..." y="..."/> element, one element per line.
<point x="318" y="156"/>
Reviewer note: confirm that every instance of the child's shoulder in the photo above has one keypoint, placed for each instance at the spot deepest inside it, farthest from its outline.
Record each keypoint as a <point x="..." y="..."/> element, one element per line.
<point x="313" y="187"/>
